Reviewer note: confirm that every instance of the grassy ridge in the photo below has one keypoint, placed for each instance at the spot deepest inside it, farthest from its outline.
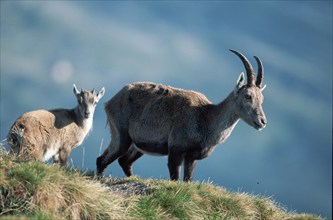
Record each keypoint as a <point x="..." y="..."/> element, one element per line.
<point x="34" y="190"/>
<point x="46" y="191"/>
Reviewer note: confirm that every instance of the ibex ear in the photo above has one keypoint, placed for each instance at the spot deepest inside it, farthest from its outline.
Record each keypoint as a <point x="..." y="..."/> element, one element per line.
<point x="240" y="82"/>
<point x="100" y="94"/>
<point x="75" y="91"/>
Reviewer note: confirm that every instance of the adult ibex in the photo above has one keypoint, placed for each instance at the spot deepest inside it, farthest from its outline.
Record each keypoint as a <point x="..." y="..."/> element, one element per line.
<point x="161" y="120"/>
<point x="43" y="134"/>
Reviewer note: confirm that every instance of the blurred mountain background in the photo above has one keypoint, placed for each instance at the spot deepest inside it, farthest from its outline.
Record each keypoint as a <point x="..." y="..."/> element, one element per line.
<point x="48" y="46"/>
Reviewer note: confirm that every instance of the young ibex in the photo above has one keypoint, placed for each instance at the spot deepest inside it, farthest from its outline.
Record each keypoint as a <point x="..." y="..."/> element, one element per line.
<point x="161" y="120"/>
<point x="43" y="134"/>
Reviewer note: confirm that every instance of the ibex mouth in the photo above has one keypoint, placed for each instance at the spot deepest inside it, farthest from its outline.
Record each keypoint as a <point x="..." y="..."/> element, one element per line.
<point x="258" y="126"/>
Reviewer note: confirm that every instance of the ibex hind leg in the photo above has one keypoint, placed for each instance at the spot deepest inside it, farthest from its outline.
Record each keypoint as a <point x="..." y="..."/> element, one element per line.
<point x="117" y="148"/>
<point x="126" y="161"/>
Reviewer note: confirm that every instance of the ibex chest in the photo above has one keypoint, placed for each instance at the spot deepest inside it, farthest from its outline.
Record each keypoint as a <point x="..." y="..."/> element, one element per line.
<point x="204" y="149"/>
<point x="220" y="134"/>
<point x="201" y="152"/>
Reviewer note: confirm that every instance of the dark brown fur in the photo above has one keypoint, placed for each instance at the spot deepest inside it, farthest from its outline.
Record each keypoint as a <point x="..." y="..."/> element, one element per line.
<point x="162" y="120"/>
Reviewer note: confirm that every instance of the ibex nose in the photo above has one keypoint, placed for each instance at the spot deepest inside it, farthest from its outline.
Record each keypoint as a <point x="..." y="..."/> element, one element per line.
<point x="86" y="114"/>
<point x="263" y="121"/>
<point x="260" y="122"/>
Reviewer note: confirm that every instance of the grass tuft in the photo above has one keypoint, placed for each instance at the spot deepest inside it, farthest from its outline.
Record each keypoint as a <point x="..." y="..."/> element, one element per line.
<point x="35" y="190"/>
<point x="51" y="192"/>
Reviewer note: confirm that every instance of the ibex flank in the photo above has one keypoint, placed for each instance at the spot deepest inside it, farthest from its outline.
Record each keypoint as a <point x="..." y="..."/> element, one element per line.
<point x="43" y="134"/>
<point x="184" y="125"/>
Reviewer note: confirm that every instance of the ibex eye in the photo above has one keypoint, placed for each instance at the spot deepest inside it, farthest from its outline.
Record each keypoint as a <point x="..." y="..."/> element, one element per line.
<point x="247" y="96"/>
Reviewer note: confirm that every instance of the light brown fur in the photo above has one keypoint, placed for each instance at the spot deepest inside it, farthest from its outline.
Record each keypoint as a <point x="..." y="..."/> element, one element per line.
<point x="43" y="134"/>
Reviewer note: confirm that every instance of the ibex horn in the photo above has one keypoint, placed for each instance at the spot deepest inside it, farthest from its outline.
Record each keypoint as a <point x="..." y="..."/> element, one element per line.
<point x="260" y="75"/>
<point x="248" y="67"/>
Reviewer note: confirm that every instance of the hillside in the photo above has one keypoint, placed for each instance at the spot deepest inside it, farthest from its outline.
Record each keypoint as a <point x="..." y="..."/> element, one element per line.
<point x="34" y="190"/>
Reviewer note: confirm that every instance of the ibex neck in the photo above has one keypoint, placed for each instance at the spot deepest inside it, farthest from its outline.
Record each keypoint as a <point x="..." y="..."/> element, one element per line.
<point x="224" y="118"/>
<point x="85" y="123"/>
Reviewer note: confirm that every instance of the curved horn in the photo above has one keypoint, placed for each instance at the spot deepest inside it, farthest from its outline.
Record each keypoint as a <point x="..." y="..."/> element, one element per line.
<point x="260" y="75"/>
<point x="248" y="67"/>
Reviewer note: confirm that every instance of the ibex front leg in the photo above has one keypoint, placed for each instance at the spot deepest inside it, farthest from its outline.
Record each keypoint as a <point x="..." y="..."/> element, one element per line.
<point x="175" y="160"/>
<point x="189" y="165"/>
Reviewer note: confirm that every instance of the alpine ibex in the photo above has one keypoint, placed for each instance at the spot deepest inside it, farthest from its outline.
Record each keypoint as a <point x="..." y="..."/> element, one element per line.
<point x="43" y="134"/>
<point x="162" y="120"/>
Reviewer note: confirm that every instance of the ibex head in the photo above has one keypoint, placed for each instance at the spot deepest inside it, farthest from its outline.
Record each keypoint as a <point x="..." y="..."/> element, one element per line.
<point x="249" y="96"/>
<point x="87" y="101"/>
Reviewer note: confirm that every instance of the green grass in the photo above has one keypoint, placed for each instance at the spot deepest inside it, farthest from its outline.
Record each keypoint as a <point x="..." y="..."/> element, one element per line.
<point x="34" y="190"/>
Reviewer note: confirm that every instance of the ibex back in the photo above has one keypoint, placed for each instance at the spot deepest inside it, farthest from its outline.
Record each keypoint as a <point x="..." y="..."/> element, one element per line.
<point x="161" y="120"/>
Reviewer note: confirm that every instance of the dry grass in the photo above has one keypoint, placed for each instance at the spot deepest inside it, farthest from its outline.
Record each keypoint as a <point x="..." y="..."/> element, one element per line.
<point x="50" y="192"/>
<point x="34" y="190"/>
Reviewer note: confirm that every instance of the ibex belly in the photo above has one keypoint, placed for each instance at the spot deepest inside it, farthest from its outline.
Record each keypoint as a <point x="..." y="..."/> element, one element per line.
<point x="50" y="152"/>
<point x="155" y="149"/>
<point x="150" y="139"/>
<point x="51" y="148"/>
